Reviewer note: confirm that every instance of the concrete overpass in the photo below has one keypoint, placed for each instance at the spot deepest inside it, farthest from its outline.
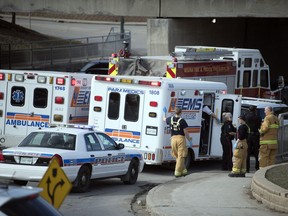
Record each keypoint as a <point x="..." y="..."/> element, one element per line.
<point x="258" y="24"/>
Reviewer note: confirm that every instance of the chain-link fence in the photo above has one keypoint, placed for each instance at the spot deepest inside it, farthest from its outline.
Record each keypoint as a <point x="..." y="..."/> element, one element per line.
<point x="61" y="55"/>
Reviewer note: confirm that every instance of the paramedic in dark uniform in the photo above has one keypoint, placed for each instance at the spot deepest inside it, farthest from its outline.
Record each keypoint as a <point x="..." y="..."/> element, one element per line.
<point x="240" y="151"/>
<point x="254" y="123"/>
<point x="228" y="131"/>
<point x="178" y="142"/>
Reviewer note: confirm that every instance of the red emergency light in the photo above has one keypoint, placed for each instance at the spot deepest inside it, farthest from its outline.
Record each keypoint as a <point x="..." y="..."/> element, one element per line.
<point x="98" y="98"/>
<point x="73" y="82"/>
<point x="2" y="76"/>
<point x="60" y="81"/>
<point x="59" y="100"/>
<point x="153" y="104"/>
<point x="1" y="95"/>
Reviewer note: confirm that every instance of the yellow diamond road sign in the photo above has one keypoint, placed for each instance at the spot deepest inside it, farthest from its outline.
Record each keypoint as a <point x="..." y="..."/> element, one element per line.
<point x="55" y="184"/>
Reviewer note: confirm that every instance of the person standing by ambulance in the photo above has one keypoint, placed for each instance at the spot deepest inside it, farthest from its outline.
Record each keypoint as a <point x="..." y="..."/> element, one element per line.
<point x="179" y="132"/>
<point x="240" y="151"/>
<point x="254" y="123"/>
<point x="268" y="139"/>
<point x="228" y="131"/>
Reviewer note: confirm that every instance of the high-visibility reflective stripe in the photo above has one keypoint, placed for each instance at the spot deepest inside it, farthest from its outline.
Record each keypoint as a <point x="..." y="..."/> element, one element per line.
<point x="274" y="126"/>
<point x="113" y="70"/>
<point x="265" y="142"/>
<point x="170" y="72"/>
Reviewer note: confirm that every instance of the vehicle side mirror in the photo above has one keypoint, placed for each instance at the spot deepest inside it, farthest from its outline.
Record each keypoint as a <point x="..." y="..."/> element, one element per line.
<point x="120" y="146"/>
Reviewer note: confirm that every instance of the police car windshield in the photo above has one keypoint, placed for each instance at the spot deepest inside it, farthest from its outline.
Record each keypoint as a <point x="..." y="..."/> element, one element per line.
<point x="50" y="140"/>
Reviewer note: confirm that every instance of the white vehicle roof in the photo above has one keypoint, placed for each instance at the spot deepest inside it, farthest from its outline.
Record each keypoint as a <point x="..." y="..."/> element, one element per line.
<point x="177" y="82"/>
<point x="262" y="104"/>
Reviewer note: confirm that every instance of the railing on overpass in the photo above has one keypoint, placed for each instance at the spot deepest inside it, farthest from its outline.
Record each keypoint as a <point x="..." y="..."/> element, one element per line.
<point x="283" y="138"/>
<point x="61" y="54"/>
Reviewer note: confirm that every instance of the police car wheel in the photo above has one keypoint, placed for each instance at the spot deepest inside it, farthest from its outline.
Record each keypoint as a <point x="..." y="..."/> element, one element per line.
<point x="132" y="173"/>
<point x="83" y="180"/>
<point x="20" y="182"/>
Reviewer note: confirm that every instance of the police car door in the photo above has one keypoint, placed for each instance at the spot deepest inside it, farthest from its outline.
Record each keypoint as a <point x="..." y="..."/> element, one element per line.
<point x="123" y="119"/>
<point x="28" y="108"/>
<point x="223" y="103"/>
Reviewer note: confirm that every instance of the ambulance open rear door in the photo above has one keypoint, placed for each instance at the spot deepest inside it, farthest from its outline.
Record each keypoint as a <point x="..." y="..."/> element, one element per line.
<point x="223" y="103"/>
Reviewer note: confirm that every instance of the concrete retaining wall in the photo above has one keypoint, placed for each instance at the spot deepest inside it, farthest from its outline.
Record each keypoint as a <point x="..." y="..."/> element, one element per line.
<point x="271" y="195"/>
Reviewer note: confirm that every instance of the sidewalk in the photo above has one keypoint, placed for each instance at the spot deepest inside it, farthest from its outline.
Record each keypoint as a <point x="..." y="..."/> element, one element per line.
<point x="208" y="193"/>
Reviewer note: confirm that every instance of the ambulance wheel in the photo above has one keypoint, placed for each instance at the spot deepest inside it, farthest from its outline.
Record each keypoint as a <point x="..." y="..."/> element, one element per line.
<point x="82" y="181"/>
<point x="20" y="182"/>
<point x="132" y="173"/>
<point x="189" y="159"/>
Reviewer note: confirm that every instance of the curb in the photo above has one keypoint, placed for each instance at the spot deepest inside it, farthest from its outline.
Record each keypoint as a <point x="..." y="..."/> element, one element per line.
<point x="271" y="195"/>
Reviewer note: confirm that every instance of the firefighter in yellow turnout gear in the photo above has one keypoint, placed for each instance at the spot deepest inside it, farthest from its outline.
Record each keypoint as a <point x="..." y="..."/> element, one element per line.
<point x="240" y="151"/>
<point x="268" y="139"/>
<point x="178" y="142"/>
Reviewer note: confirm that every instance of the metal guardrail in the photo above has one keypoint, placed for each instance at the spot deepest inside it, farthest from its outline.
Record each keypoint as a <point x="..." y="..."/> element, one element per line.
<point x="283" y="138"/>
<point x="51" y="54"/>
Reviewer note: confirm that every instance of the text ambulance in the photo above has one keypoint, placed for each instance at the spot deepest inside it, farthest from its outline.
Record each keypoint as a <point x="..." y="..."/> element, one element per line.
<point x="130" y="109"/>
<point x="31" y="100"/>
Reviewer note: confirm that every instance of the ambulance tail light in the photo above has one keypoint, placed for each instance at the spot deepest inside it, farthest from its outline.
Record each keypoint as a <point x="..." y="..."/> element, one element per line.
<point x="1" y="156"/>
<point x="153" y="104"/>
<point x="58" y="118"/>
<point x="60" y="81"/>
<point x="59" y="100"/>
<point x="73" y="82"/>
<point x="114" y="55"/>
<point x="151" y="156"/>
<point x="2" y="76"/>
<point x="58" y="159"/>
<point x="172" y="94"/>
<point x="196" y="93"/>
<point x="98" y="98"/>
<point x="1" y="95"/>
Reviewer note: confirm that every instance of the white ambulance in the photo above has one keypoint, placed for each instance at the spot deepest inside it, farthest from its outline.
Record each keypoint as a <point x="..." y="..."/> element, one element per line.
<point x="30" y="100"/>
<point x="130" y="109"/>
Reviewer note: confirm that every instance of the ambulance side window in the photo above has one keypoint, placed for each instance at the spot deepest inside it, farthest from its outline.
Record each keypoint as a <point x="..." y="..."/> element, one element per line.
<point x="17" y="96"/>
<point x="131" y="112"/>
<point x="40" y="98"/>
<point x="113" y="106"/>
<point x="227" y="106"/>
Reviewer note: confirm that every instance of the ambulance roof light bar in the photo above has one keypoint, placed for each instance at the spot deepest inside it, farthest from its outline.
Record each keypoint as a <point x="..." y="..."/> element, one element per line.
<point x="128" y="81"/>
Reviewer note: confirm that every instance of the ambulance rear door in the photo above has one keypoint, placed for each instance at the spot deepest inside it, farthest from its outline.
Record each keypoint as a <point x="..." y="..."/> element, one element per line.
<point x="28" y="108"/>
<point x="124" y="117"/>
<point x="223" y="103"/>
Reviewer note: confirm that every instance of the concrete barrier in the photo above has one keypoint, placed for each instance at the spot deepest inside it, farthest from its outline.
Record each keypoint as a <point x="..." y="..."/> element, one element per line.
<point x="271" y="195"/>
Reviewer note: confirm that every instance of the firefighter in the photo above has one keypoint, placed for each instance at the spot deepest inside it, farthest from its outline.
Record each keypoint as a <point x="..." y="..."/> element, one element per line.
<point x="178" y="142"/>
<point x="240" y="151"/>
<point x="254" y="123"/>
<point x="228" y="131"/>
<point x="268" y="139"/>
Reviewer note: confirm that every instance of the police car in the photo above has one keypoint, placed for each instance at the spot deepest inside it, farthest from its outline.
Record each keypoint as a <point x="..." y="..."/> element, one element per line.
<point x="83" y="154"/>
